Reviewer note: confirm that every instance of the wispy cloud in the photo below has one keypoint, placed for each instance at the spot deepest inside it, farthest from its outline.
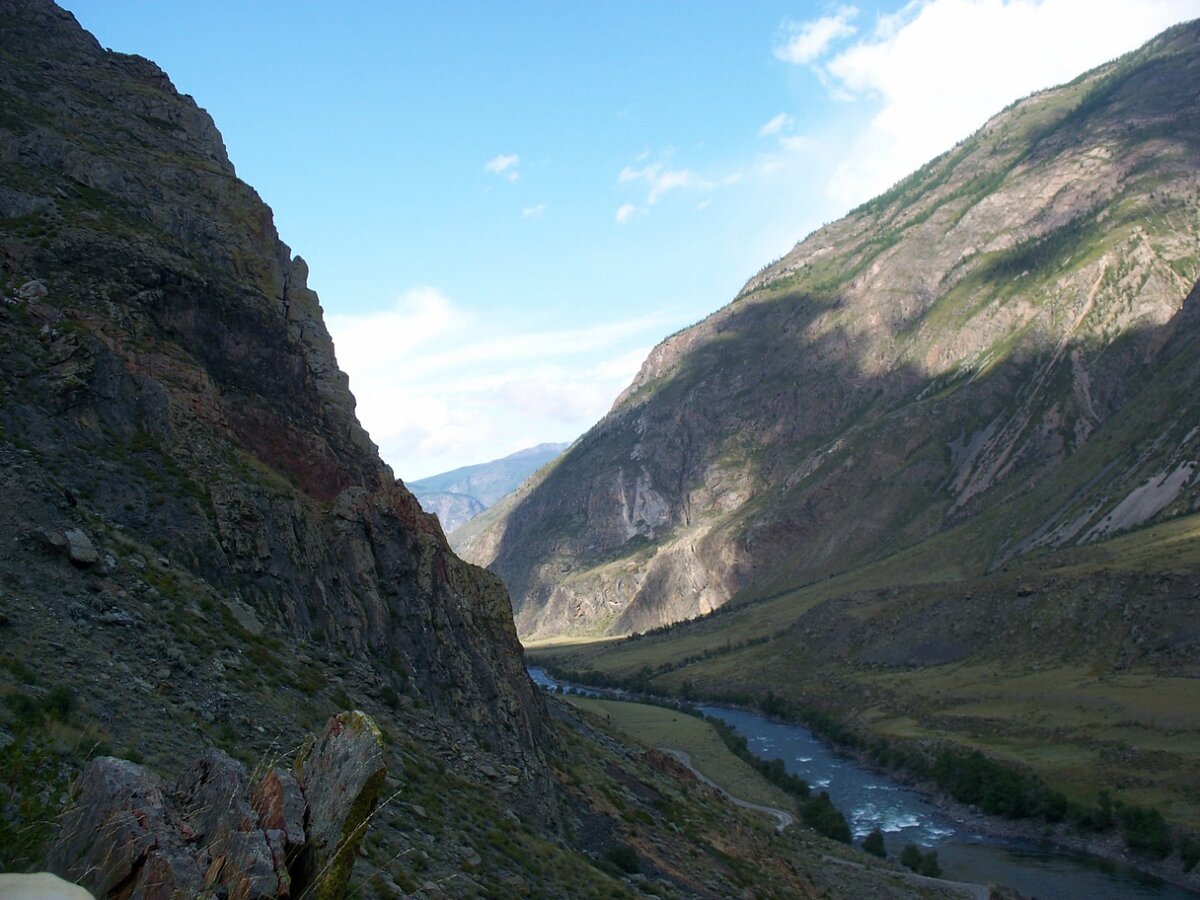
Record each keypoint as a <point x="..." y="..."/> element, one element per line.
<point x="803" y="42"/>
<point x="422" y="316"/>
<point x="436" y="388"/>
<point x="796" y="142"/>
<point x="626" y="213"/>
<point x="776" y="125"/>
<point x="534" y="212"/>
<point x="505" y="164"/>
<point x="659" y="179"/>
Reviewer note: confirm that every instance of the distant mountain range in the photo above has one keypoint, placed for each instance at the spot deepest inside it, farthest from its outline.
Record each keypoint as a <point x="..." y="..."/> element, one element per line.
<point x="460" y="495"/>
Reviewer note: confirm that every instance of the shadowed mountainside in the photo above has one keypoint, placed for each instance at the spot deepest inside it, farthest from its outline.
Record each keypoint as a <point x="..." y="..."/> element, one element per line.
<point x="168" y="377"/>
<point x="944" y="352"/>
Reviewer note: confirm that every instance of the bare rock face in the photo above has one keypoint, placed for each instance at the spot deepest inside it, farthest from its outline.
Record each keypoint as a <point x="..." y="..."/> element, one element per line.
<point x="215" y="812"/>
<point x="1006" y="335"/>
<point x="80" y="549"/>
<point x="130" y="836"/>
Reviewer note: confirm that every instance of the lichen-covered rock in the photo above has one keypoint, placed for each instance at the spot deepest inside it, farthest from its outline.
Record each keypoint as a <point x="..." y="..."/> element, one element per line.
<point x="279" y="803"/>
<point x="32" y="290"/>
<point x="80" y="549"/>
<point x="217" y="815"/>
<point x="342" y="777"/>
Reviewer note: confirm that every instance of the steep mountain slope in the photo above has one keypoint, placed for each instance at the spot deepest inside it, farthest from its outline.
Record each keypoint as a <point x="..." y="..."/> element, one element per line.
<point x="167" y="377"/>
<point x="199" y="547"/>
<point x="198" y="542"/>
<point x="459" y="495"/>
<point x="1006" y="338"/>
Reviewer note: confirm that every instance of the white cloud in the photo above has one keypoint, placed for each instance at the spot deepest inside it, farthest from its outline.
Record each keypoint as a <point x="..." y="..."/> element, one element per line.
<point x="626" y="213"/>
<point x="797" y="143"/>
<point x="421" y="316"/>
<point x="776" y="125"/>
<point x="623" y="367"/>
<point x="938" y="68"/>
<point x="534" y="212"/>
<point x="805" y="41"/>
<point x="660" y="179"/>
<point x="437" y="391"/>
<point x="505" y="164"/>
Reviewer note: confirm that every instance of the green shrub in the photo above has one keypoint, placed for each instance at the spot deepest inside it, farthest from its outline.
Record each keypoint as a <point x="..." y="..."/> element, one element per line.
<point x="32" y="779"/>
<point x="1098" y="818"/>
<point x="1146" y="831"/>
<point x="25" y="710"/>
<point x="929" y="865"/>
<point x="996" y="788"/>
<point x="624" y="858"/>
<point x="1189" y="852"/>
<point x="774" y="770"/>
<point x="59" y="702"/>
<point x="819" y="814"/>
<point x="19" y="670"/>
<point x="873" y="844"/>
<point x="922" y="863"/>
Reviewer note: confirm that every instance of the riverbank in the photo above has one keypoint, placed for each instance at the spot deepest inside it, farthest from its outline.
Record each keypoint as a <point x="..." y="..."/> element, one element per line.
<point x="785" y="819"/>
<point x="782" y="817"/>
<point x="1107" y="847"/>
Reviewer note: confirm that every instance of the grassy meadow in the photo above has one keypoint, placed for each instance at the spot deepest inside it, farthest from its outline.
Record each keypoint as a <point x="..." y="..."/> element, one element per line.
<point x="659" y="727"/>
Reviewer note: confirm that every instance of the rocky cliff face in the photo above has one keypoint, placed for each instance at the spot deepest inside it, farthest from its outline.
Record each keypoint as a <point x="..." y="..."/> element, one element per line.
<point x="1004" y="338"/>
<point x="181" y="452"/>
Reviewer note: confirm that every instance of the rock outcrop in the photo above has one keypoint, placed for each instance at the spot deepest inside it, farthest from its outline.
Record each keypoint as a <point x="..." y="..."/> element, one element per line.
<point x="1005" y="339"/>
<point x="293" y="834"/>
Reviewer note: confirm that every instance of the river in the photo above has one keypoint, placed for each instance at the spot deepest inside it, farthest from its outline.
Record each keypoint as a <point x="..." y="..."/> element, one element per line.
<point x="870" y="800"/>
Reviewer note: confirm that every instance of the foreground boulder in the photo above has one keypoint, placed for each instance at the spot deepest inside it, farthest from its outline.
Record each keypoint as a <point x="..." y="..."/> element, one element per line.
<point x="292" y="835"/>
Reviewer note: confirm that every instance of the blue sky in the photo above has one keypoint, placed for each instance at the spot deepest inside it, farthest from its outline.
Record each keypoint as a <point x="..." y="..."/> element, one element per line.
<point x="505" y="205"/>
